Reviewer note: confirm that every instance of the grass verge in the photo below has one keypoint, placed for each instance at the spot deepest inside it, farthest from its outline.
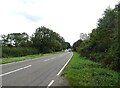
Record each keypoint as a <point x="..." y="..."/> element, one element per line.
<point x="83" y="72"/>
<point x="16" y="59"/>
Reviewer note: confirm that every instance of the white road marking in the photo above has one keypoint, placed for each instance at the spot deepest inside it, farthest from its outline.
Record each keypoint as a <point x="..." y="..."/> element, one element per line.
<point x="50" y="83"/>
<point x="23" y="60"/>
<point x="64" y="66"/>
<point x="53" y="58"/>
<point x="15" y="70"/>
<point x="49" y="59"/>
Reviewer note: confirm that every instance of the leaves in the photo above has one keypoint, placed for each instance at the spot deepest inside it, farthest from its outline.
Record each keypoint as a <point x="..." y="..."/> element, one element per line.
<point x="43" y="40"/>
<point x="103" y="44"/>
<point x="46" y="40"/>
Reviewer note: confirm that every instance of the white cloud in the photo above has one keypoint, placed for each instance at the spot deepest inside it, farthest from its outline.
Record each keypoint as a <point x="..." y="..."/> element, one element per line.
<point x="67" y="17"/>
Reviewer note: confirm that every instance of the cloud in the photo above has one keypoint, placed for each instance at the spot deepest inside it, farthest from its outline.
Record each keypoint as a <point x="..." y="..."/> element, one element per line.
<point x="27" y="1"/>
<point x="69" y="18"/>
<point x="30" y="17"/>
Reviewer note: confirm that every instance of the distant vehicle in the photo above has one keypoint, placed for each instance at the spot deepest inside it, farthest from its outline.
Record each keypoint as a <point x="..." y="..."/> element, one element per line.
<point x="69" y="50"/>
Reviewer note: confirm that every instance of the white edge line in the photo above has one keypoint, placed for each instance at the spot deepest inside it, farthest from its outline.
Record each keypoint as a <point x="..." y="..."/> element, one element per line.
<point x="64" y="66"/>
<point x="15" y="70"/>
<point x="50" y="83"/>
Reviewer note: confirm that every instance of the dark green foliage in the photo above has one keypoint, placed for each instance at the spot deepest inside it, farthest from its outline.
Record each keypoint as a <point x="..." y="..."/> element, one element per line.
<point x="46" y="41"/>
<point x="76" y="44"/>
<point x="18" y="51"/>
<point x="84" y="73"/>
<point x="103" y="44"/>
<point x="17" y="44"/>
<point x="16" y="39"/>
<point x="43" y="40"/>
<point x="67" y="45"/>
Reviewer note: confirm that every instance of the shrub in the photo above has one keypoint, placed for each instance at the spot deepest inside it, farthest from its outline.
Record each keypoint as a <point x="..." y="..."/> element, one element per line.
<point x="18" y="51"/>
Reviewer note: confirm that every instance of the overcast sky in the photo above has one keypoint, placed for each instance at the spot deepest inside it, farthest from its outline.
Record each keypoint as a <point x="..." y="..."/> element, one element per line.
<point x="69" y="18"/>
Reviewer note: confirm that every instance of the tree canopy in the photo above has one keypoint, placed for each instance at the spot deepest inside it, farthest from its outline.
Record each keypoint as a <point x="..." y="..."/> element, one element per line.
<point x="104" y="41"/>
<point x="44" y="40"/>
<point x="47" y="41"/>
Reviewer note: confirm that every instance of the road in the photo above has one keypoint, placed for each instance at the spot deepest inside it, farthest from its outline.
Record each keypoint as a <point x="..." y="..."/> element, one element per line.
<point x="41" y="71"/>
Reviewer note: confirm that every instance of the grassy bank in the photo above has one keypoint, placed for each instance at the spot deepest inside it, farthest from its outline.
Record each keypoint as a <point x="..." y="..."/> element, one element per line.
<point x="15" y="59"/>
<point x="83" y="72"/>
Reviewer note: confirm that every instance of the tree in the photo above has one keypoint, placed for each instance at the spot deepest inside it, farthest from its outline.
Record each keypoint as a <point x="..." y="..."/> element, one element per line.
<point x="104" y="41"/>
<point x="46" y="40"/>
<point x="4" y="40"/>
<point x="15" y="39"/>
<point x="67" y="45"/>
<point x="76" y="44"/>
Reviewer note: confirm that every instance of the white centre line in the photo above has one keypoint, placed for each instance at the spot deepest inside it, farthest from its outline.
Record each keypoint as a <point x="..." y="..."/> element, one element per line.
<point x="49" y="59"/>
<point x="64" y="66"/>
<point x="15" y="70"/>
<point x="50" y="83"/>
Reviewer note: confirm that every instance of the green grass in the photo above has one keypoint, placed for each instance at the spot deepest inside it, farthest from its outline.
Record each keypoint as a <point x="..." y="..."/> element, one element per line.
<point x="15" y="59"/>
<point x="83" y="72"/>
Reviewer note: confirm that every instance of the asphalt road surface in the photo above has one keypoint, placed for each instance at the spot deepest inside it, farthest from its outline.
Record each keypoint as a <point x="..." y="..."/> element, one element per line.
<point x="41" y="71"/>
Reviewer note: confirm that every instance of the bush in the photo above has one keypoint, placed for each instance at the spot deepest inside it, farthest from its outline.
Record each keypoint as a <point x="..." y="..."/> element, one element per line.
<point x="103" y="45"/>
<point x="18" y="51"/>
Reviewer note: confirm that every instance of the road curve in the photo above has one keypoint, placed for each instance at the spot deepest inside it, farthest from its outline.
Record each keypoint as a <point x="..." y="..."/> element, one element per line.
<point x="37" y="72"/>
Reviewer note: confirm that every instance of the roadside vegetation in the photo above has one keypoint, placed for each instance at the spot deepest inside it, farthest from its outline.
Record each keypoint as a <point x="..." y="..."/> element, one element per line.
<point x="83" y="72"/>
<point x="42" y="41"/>
<point x="27" y="57"/>
<point x="103" y="44"/>
<point x="15" y="59"/>
<point x="96" y="60"/>
<point x="18" y="51"/>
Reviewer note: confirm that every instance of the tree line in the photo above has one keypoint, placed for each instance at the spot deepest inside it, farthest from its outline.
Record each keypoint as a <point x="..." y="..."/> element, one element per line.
<point x="103" y="44"/>
<point x="43" y="40"/>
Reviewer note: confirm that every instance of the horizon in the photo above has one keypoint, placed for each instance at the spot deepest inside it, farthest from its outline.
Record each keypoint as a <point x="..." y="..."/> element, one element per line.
<point x="67" y="18"/>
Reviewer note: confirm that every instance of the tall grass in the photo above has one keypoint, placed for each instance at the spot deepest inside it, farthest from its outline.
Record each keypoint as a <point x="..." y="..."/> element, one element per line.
<point x="82" y="72"/>
<point x="18" y="51"/>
